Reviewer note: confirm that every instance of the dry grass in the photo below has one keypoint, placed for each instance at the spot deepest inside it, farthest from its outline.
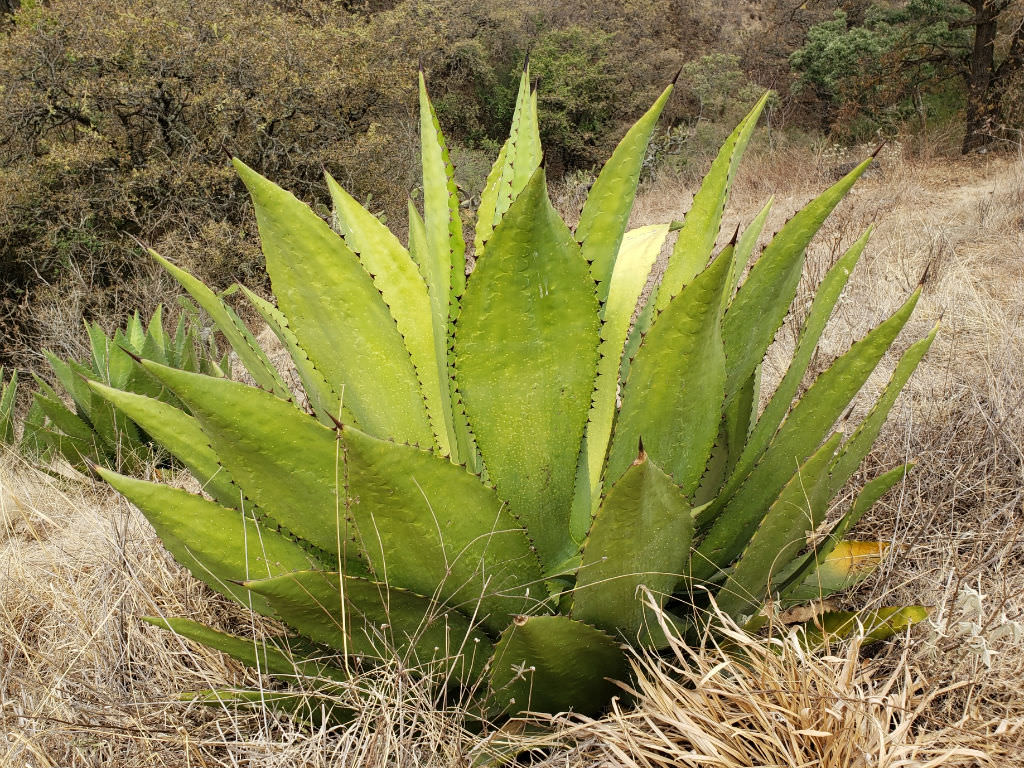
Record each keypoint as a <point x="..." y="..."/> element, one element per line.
<point x="84" y="683"/>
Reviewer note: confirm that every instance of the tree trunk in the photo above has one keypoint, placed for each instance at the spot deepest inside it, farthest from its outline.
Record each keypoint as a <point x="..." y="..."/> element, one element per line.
<point x="983" y="108"/>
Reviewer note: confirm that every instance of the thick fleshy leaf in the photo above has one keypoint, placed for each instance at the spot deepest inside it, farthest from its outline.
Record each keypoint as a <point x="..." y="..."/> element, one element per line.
<point x="848" y="564"/>
<point x="781" y="534"/>
<point x="880" y="624"/>
<point x="697" y="238"/>
<point x="640" y="538"/>
<point x="673" y="398"/>
<point x="424" y="523"/>
<point x="606" y="212"/>
<point x="869" y="494"/>
<point x="487" y="210"/>
<point x="554" y="664"/>
<point x="824" y="302"/>
<point x="637" y="254"/>
<point x="338" y="315"/>
<point x="305" y="707"/>
<point x="8" y="393"/>
<point x="325" y="402"/>
<point x="447" y="274"/>
<point x="264" y="655"/>
<point x="808" y="423"/>
<point x="178" y="433"/>
<point x="519" y="159"/>
<point x="463" y="449"/>
<point x="764" y="298"/>
<point x="400" y="284"/>
<point x="219" y="546"/>
<point x="863" y="438"/>
<point x="526" y="353"/>
<point x="361" y="617"/>
<point x="745" y="246"/>
<point x="239" y="337"/>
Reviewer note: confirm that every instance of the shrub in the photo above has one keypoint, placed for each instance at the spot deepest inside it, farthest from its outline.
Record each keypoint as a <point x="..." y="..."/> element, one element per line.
<point x="464" y="487"/>
<point x="94" y="432"/>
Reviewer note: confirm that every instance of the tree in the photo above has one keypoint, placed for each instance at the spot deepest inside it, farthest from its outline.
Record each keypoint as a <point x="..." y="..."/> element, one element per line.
<point x="882" y="66"/>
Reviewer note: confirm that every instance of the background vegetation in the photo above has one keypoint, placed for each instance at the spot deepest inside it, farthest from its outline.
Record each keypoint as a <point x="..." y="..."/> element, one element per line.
<point x="116" y="118"/>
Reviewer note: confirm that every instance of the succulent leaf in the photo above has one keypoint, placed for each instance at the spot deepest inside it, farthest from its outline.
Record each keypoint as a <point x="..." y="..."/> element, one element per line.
<point x="606" y="212"/>
<point x="526" y="353"/>
<point x="640" y="538"/>
<point x="400" y="284"/>
<point x="220" y="546"/>
<point x="447" y="274"/>
<point x="676" y="384"/>
<point x="263" y="655"/>
<point x="878" y="624"/>
<point x="637" y="254"/>
<point x="812" y="417"/>
<point x="529" y="671"/>
<point x="765" y="296"/>
<point x="338" y="315"/>
<point x="781" y="534"/>
<point x="323" y="399"/>
<point x="697" y="238"/>
<point x="241" y="340"/>
<point x="329" y="486"/>
<point x="361" y="617"/>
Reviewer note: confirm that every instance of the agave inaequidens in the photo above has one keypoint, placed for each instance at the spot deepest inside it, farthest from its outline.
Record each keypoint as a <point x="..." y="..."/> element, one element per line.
<point x="506" y="474"/>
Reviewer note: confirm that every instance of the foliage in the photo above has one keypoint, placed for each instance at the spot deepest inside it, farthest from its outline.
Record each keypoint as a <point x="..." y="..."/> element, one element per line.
<point x="94" y="432"/>
<point x="115" y="118"/>
<point x="907" y="59"/>
<point x="463" y="486"/>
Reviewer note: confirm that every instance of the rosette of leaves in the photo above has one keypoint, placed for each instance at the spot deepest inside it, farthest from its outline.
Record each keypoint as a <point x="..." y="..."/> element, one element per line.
<point x="94" y="431"/>
<point x="504" y="476"/>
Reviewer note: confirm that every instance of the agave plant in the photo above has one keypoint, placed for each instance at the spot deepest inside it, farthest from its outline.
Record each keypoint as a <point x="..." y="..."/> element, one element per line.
<point x="505" y="475"/>
<point x="92" y="431"/>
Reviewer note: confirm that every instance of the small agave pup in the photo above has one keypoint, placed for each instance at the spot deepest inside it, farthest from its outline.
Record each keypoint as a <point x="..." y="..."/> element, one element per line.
<point x="488" y="476"/>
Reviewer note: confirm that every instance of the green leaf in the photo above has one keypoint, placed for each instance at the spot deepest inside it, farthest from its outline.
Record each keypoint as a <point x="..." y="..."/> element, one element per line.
<point x="637" y="254"/>
<point x="486" y="212"/>
<point x="863" y="438"/>
<point x="306" y="707"/>
<point x="323" y="399"/>
<point x="606" y="212"/>
<point x="338" y="315"/>
<point x="807" y="424"/>
<point x="828" y="293"/>
<point x="846" y="565"/>
<point x="447" y="276"/>
<point x="764" y="298"/>
<point x="803" y="571"/>
<point x="8" y="393"/>
<point x="400" y="284"/>
<point x="264" y="655"/>
<point x="219" y="546"/>
<point x="781" y="534"/>
<point x="676" y="384"/>
<point x="880" y="624"/>
<point x="697" y="238"/>
<point x="640" y="538"/>
<point x="361" y="617"/>
<point x="239" y="337"/>
<point x="179" y="433"/>
<point x="554" y="664"/>
<point x="519" y="160"/>
<point x="526" y="353"/>
<point x="745" y="246"/>
<point x="421" y="522"/>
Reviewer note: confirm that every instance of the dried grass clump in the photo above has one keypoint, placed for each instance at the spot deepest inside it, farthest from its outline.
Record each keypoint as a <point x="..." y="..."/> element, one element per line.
<point x="745" y="701"/>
